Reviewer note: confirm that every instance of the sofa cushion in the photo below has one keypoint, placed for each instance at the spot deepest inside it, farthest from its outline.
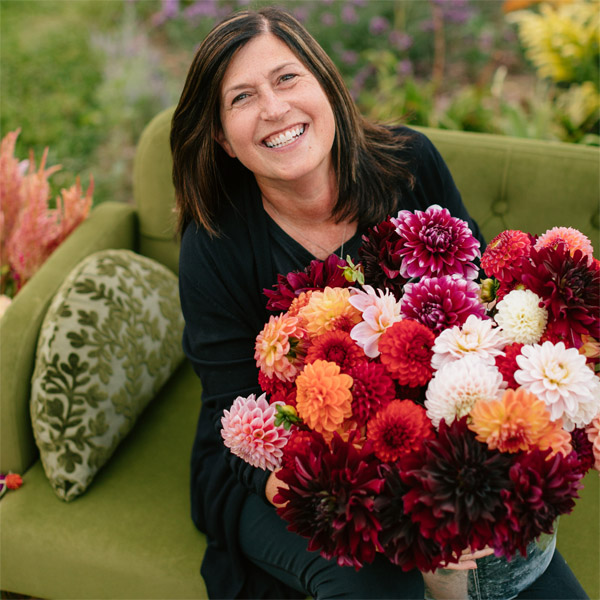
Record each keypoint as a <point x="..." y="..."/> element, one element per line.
<point x="109" y="341"/>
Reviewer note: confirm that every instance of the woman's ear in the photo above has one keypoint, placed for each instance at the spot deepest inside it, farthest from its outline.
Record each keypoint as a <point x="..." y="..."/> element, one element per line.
<point x="222" y="141"/>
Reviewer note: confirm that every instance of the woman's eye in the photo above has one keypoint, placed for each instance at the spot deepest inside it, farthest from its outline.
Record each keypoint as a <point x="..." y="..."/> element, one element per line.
<point x="239" y="97"/>
<point x="287" y="77"/>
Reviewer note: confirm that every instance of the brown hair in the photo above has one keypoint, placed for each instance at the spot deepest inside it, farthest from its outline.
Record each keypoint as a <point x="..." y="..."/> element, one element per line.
<point x="365" y="155"/>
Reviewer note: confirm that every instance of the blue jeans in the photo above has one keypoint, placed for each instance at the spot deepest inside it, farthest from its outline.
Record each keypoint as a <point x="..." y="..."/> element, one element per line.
<point x="268" y="544"/>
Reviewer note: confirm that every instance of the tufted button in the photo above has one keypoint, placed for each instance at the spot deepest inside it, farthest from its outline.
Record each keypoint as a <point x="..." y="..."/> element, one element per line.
<point x="500" y="207"/>
<point x="595" y="220"/>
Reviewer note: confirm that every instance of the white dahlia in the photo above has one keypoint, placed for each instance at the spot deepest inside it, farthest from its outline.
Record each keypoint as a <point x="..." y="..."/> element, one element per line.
<point x="560" y="377"/>
<point x="458" y="385"/>
<point x="476" y="337"/>
<point x="521" y="317"/>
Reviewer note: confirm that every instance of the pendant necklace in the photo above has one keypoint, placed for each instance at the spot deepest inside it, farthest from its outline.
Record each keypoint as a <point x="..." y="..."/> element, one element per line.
<point x="311" y="242"/>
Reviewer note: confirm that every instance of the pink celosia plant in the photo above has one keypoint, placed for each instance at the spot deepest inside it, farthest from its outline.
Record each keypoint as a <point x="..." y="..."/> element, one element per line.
<point x="31" y="230"/>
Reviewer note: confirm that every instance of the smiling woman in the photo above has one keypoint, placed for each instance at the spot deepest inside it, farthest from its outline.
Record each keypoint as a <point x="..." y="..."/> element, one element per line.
<point x="273" y="168"/>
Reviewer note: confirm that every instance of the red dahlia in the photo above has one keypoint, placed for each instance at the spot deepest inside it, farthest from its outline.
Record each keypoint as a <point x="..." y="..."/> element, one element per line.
<point x="507" y="365"/>
<point x="372" y="389"/>
<point x="505" y="255"/>
<point x="331" y="498"/>
<point x="338" y="347"/>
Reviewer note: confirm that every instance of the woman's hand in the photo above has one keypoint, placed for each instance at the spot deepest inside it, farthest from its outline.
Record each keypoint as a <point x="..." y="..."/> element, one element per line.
<point x="467" y="559"/>
<point x="271" y="488"/>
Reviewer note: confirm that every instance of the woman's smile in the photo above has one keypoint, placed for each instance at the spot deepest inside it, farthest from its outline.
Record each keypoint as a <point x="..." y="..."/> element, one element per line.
<point x="285" y="138"/>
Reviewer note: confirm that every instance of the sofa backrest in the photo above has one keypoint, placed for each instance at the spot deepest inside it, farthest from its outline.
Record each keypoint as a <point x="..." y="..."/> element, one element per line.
<point x="506" y="183"/>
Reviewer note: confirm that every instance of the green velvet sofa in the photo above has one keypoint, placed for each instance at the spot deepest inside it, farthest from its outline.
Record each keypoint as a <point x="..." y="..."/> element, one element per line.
<point x="130" y="535"/>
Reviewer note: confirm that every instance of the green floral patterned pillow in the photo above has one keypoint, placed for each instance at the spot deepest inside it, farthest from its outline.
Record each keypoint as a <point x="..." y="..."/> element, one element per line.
<point x="109" y="341"/>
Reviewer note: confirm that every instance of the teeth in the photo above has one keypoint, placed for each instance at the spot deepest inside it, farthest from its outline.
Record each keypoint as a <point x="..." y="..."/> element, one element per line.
<point x="285" y="138"/>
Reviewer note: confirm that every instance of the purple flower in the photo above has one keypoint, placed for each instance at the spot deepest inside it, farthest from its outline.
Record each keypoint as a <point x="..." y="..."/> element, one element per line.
<point x="400" y="40"/>
<point x="202" y="8"/>
<point x="349" y="57"/>
<point x="434" y="243"/>
<point x="404" y="68"/>
<point x="378" y="25"/>
<point x="441" y="302"/>
<point x="349" y="14"/>
<point x="328" y="19"/>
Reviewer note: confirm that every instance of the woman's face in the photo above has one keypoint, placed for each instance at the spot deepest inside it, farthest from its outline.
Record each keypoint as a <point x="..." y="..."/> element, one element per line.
<point x="275" y="117"/>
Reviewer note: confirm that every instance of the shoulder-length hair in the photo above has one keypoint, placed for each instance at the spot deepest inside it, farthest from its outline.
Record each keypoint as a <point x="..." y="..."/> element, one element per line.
<point x="365" y="155"/>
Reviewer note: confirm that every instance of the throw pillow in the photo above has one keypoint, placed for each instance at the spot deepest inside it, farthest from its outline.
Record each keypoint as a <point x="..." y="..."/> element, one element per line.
<point x="109" y="341"/>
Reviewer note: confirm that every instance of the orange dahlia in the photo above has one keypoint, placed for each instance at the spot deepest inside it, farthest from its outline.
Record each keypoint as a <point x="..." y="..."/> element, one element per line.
<point x="329" y="310"/>
<point x="398" y="428"/>
<point x="323" y="399"/>
<point x="406" y="349"/>
<point x="519" y="421"/>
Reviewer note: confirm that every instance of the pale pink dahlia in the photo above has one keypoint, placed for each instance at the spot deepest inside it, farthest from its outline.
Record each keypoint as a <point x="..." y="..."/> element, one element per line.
<point x="593" y="433"/>
<point x="249" y="431"/>
<point x="573" y="238"/>
<point x="476" y="336"/>
<point x="458" y="385"/>
<point x="441" y="302"/>
<point x="560" y="377"/>
<point x="380" y="310"/>
<point x="277" y="347"/>
<point x="434" y="243"/>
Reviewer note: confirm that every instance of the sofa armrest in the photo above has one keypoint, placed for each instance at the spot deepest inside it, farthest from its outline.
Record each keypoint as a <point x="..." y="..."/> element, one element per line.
<point x="110" y="225"/>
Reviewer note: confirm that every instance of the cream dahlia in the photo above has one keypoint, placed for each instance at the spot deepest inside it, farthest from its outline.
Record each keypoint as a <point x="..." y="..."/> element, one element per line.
<point x="476" y="336"/>
<point x="380" y="310"/>
<point x="560" y="377"/>
<point x="521" y="317"/>
<point x="249" y="431"/>
<point x="458" y="385"/>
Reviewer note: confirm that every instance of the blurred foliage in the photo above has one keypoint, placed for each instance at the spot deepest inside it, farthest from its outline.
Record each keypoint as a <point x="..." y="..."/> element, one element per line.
<point x="84" y="76"/>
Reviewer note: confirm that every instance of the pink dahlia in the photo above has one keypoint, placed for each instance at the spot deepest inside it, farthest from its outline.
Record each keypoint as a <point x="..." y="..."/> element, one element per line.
<point x="593" y="433"/>
<point x="433" y="243"/>
<point x="331" y="498"/>
<point x="372" y="388"/>
<point x="569" y="288"/>
<point x="317" y="276"/>
<point x="249" y="431"/>
<point x="573" y="238"/>
<point x="505" y="255"/>
<point x="441" y="302"/>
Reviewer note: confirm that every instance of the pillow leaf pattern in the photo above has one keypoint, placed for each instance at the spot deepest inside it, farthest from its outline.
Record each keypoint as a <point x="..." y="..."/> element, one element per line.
<point x="109" y="341"/>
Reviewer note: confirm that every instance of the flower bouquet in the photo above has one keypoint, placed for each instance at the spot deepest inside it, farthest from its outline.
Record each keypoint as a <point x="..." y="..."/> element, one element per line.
<point x="414" y="410"/>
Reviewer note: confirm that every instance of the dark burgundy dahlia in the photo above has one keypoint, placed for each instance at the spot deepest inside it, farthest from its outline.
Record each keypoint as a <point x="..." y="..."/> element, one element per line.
<point x="331" y="498"/>
<point x="317" y="276"/>
<point x="455" y="488"/>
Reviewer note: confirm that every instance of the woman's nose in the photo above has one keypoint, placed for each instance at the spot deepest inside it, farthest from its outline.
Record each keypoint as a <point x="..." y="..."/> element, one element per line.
<point x="273" y="107"/>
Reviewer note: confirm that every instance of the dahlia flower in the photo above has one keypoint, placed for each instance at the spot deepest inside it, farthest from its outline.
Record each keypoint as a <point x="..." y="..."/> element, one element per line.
<point x="584" y="449"/>
<point x="560" y="377"/>
<point x="400" y="537"/>
<point x="458" y="385"/>
<point x="276" y="347"/>
<point x="455" y="488"/>
<point x="329" y="310"/>
<point x="433" y="243"/>
<point x="249" y="431"/>
<point x="505" y="255"/>
<point x="323" y="398"/>
<point x="338" y="347"/>
<point x="398" y="428"/>
<point x="507" y="364"/>
<point x="317" y="276"/>
<point x="593" y="433"/>
<point x="572" y="238"/>
<point x="441" y="302"/>
<point x="380" y="310"/>
<point x="406" y="350"/>
<point x="372" y="389"/>
<point x="330" y="498"/>
<point x="569" y="288"/>
<point x="476" y="336"/>
<point x="521" y="317"/>
<point x="380" y="258"/>
<point x="519" y="421"/>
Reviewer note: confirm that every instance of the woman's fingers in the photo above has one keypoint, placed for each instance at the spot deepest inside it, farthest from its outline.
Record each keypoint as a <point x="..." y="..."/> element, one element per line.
<point x="467" y="559"/>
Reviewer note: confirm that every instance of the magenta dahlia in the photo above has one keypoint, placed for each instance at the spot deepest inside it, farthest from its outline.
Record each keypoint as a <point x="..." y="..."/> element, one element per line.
<point x="317" y="276"/>
<point x="372" y="388"/>
<point x="381" y="259"/>
<point x="441" y="302"/>
<point x="331" y="498"/>
<point x="455" y="488"/>
<point x="433" y="243"/>
<point x="570" y="291"/>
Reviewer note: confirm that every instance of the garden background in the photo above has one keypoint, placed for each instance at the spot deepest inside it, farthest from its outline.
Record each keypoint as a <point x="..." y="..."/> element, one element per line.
<point x="83" y="77"/>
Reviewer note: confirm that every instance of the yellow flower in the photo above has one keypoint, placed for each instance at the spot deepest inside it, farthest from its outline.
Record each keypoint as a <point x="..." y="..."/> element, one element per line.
<point x="329" y="310"/>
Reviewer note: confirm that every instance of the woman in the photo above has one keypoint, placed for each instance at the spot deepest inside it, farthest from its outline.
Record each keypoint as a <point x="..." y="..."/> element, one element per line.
<point x="274" y="167"/>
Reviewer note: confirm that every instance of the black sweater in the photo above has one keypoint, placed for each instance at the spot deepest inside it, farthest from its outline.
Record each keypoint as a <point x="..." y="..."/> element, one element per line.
<point x="221" y="288"/>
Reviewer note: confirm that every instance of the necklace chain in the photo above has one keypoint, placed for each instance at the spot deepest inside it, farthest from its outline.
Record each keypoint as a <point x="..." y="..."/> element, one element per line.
<point x="312" y="242"/>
